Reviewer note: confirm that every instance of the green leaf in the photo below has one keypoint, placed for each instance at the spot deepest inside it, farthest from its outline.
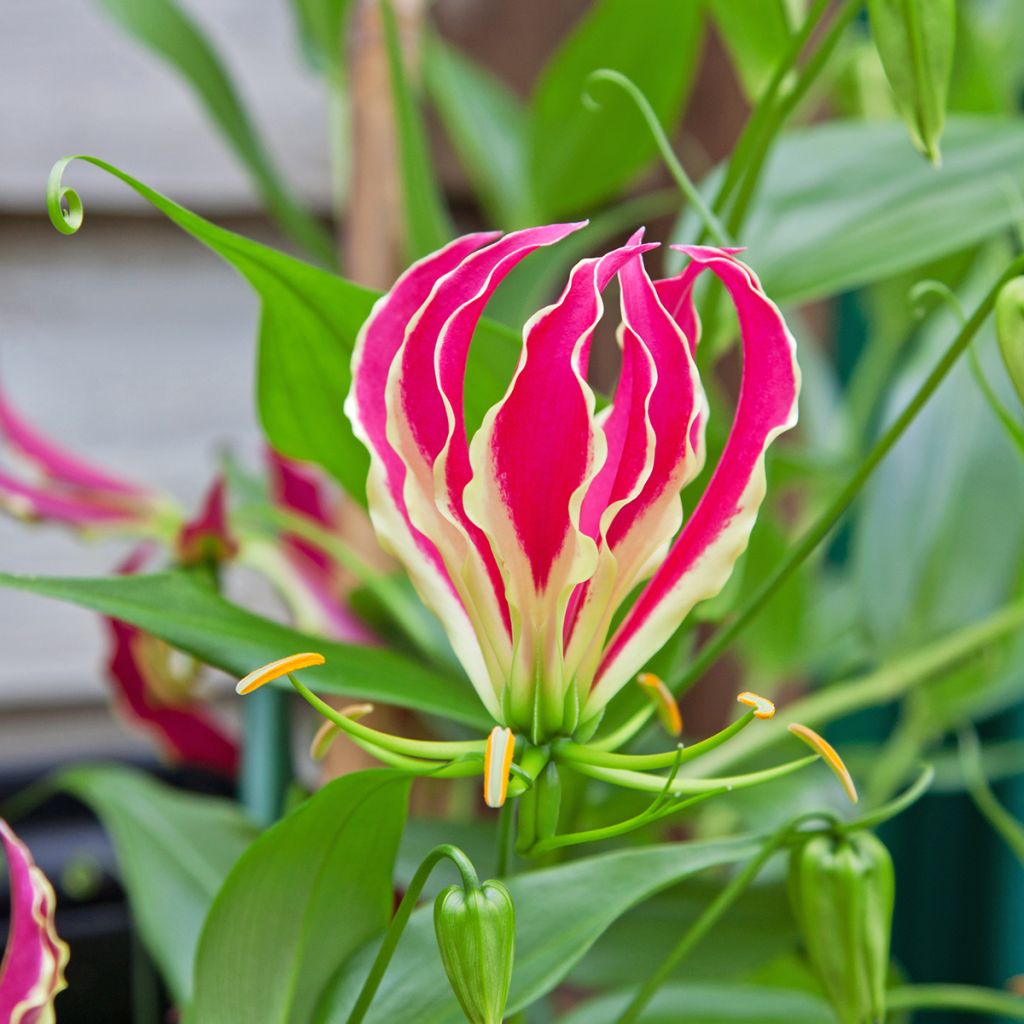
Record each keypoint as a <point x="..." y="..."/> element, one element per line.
<point x="560" y="913"/>
<point x="321" y="23"/>
<point x="916" y="40"/>
<point x="755" y="33"/>
<point x="310" y="319"/>
<point x="579" y="157"/>
<point x="163" y="27"/>
<point x="194" y="618"/>
<point x="174" y="851"/>
<point x="487" y="126"/>
<point x="846" y="204"/>
<point x="307" y="894"/>
<point x="427" y="226"/>
<point x="709" y="1003"/>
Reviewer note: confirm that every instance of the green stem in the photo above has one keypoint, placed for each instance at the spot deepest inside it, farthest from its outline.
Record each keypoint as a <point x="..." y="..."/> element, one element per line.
<point x="716" y="909"/>
<point x="506" y="818"/>
<point x="957" y="997"/>
<point x="751" y="133"/>
<point x="566" y="750"/>
<point x="1001" y="820"/>
<point x="780" y="113"/>
<point x="823" y="525"/>
<point x="266" y="755"/>
<point x="387" y="950"/>
<point x="691" y="194"/>
<point x="996" y="404"/>
<point x="879" y="687"/>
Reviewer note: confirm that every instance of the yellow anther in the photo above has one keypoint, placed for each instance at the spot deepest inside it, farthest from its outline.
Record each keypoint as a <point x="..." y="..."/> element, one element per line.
<point x="501" y="745"/>
<point x="268" y="673"/>
<point x="828" y="753"/>
<point x="328" y="730"/>
<point x="763" y="707"/>
<point x="664" y="703"/>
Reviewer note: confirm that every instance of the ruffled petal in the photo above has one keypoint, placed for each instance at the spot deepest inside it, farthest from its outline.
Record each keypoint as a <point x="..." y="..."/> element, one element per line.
<point x="376" y="348"/>
<point x="533" y="460"/>
<point x="32" y="972"/>
<point x="427" y="429"/>
<point x="632" y="508"/>
<point x="702" y="558"/>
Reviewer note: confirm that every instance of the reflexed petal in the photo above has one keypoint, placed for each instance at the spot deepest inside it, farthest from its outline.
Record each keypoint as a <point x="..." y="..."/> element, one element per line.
<point x="426" y="427"/>
<point x="298" y="489"/>
<point x="633" y="505"/>
<point x="375" y="350"/>
<point x="533" y="460"/>
<point x="59" y="465"/>
<point x="32" y="972"/>
<point x="207" y="537"/>
<point x="716" y="534"/>
<point x="26" y="501"/>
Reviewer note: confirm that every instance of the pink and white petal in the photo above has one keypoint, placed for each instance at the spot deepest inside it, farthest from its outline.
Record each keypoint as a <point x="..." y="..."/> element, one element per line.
<point x="376" y="347"/>
<point x="26" y="501"/>
<point x="57" y="463"/>
<point x="651" y="427"/>
<point x="185" y="730"/>
<point x="427" y="429"/>
<point x="208" y="537"/>
<point x="32" y="971"/>
<point x="297" y="487"/>
<point x="702" y="558"/>
<point x="533" y="460"/>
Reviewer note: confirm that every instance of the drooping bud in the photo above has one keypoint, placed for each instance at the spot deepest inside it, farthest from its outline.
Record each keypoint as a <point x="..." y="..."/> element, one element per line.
<point x="475" y="928"/>
<point x="842" y="890"/>
<point x="1010" y="330"/>
<point x="915" y="40"/>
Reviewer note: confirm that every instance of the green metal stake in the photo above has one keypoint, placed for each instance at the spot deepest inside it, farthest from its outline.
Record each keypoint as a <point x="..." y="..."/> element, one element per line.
<point x="266" y="754"/>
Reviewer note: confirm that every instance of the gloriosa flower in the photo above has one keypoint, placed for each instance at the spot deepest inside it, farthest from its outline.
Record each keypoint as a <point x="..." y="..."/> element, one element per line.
<point x="529" y="538"/>
<point x="32" y="970"/>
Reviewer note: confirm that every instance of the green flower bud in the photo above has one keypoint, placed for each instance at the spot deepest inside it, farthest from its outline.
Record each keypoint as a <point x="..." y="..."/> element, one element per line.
<point x="915" y="40"/>
<point x="475" y="930"/>
<point x="842" y="891"/>
<point x="1010" y="330"/>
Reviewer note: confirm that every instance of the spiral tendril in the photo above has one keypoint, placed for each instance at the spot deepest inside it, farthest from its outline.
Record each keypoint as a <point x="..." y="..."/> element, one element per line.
<point x="63" y="204"/>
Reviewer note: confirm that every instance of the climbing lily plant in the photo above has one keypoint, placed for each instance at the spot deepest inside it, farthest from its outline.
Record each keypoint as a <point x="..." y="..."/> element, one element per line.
<point x="467" y="516"/>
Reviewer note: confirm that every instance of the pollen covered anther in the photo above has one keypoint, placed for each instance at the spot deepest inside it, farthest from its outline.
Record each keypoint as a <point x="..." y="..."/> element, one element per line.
<point x="664" y="702"/>
<point x="829" y="754"/>
<point x="763" y="707"/>
<point x="276" y="669"/>
<point x="501" y="746"/>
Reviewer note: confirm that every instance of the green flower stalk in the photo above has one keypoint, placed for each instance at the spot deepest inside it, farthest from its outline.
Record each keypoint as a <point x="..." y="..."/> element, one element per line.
<point x="475" y="928"/>
<point x="842" y="890"/>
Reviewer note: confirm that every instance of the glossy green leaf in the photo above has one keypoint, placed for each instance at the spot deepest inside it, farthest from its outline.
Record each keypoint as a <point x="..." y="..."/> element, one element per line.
<point x="174" y="850"/>
<point x="579" y="157"/>
<point x="487" y="126"/>
<point x="554" y="928"/>
<point x="427" y="226"/>
<point x="755" y="33"/>
<point x="309" y="323"/>
<point x="167" y="30"/>
<point x="916" y="40"/>
<point x="192" y="617"/>
<point x="845" y="204"/>
<point x="307" y="894"/>
<point x="708" y="1003"/>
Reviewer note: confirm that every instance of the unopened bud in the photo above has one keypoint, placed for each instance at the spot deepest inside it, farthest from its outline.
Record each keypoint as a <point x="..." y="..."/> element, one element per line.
<point x="842" y="890"/>
<point x="475" y="928"/>
<point x="1010" y="330"/>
